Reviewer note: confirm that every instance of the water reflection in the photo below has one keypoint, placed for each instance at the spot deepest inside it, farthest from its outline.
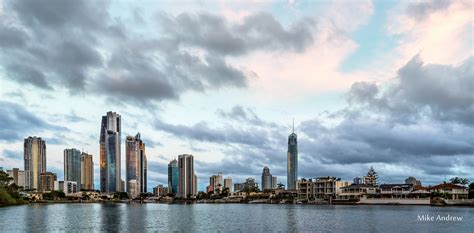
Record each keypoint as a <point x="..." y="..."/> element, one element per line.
<point x="111" y="217"/>
<point x="227" y="218"/>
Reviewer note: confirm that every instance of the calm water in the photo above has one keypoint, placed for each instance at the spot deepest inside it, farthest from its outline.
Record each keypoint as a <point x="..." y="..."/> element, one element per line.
<point x="229" y="218"/>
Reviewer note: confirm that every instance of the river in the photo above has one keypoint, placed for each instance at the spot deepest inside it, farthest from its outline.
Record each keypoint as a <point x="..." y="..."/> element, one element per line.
<point x="234" y="218"/>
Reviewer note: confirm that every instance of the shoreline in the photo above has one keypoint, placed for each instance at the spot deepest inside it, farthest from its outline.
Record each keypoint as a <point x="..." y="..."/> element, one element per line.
<point x="217" y="203"/>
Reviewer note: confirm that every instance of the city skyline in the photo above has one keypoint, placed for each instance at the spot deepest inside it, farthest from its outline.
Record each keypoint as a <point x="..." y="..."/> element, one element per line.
<point x="370" y="83"/>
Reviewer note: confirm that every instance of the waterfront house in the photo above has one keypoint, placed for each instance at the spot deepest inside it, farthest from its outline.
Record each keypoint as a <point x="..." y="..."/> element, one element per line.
<point x="356" y="192"/>
<point x="454" y="191"/>
<point x="396" y="190"/>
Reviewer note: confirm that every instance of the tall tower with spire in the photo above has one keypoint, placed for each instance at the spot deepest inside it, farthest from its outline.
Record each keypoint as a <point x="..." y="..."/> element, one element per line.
<point x="292" y="169"/>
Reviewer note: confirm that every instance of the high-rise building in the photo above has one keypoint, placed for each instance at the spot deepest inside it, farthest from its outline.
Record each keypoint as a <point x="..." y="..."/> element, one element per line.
<point x="266" y="179"/>
<point x="35" y="162"/>
<point x="72" y="165"/>
<point x="187" y="181"/>
<point x="274" y="182"/>
<point x="87" y="172"/>
<point x="228" y="183"/>
<point x="195" y="184"/>
<point x="18" y="176"/>
<point x="292" y="169"/>
<point x="358" y="180"/>
<point x="173" y="176"/>
<point x="215" y="183"/>
<point x="136" y="165"/>
<point x="110" y="140"/>
<point x="47" y="181"/>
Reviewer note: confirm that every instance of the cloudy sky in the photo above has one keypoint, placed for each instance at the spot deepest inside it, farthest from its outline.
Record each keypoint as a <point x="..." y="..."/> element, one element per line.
<point x="370" y="83"/>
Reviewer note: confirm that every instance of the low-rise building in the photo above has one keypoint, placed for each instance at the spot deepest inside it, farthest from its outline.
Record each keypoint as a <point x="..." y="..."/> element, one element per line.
<point x="324" y="188"/>
<point x="304" y="187"/>
<point x="68" y="187"/>
<point x="455" y="191"/>
<point x="396" y="190"/>
<point x="238" y="187"/>
<point x="328" y="187"/>
<point x="356" y="192"/>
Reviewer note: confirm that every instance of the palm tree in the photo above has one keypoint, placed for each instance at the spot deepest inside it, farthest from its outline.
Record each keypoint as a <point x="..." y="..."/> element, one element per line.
<point x="280" y="186"/>
<point x="457" y="180"/>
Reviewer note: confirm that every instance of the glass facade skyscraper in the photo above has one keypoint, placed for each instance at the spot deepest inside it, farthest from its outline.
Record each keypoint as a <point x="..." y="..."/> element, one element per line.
<point x="292" y="169"/>
<point x="72" y="165"/>
<point x="35" y="162"/>
<point x="110" y="140"/>
<point x="136" y="165"/>
<point x="173" y="176"/>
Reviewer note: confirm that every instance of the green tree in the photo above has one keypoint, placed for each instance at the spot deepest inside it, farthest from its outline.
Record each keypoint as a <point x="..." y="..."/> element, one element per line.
<point x="5" y="179"/>
<point x="9" y="193"/>
<point x="458" y="180"/>
<point x="121" y="195"/>
<point x="280" y="186"/>
<point x="225" y="192"/>
<point x="471" y="191"/>
<point x="54" y="195"/>
<point x="373" y="176"/>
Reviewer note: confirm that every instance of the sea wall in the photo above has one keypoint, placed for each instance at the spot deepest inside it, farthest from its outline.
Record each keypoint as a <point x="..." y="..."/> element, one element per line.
<point x="460" y="202"/>
<point x="395" y="201"/>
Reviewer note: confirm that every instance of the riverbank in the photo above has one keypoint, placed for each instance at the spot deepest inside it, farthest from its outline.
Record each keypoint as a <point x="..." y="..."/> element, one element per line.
<point x="387" y="202"/>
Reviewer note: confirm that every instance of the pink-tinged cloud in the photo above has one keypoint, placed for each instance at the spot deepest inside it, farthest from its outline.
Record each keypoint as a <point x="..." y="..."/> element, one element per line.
<point x="441" y="34"/>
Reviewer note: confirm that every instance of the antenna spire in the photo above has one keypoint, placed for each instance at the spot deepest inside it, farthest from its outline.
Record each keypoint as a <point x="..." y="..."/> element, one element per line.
<point x="293" y="125"/>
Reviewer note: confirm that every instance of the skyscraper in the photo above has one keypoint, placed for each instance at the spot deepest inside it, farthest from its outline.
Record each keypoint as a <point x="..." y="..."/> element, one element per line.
<point x="274" y="182"/>
<point x="35" y="161"/>
<point x="136" y="164"/>
<point x="87" y="172"/>
<point x="195" y="184"/>
<point x="173" y="176"/>
<point x="72" y="165"/>
<point x="187" y="181"/>
<point x="266" y="179"/>
<point x="292" y="170"/>
<point x="110" y="137"/>
<point x="228" y="183"/>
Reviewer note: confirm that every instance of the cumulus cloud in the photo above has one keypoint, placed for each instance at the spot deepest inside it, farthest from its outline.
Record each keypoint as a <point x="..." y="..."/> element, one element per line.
<point x="203" y="132"/>
<point x="85" y="48"/>
<point x="244" y="115"/>
<point x="16" y="122"/>
<point x="12" y="154"/>
<point x="422" y="120"/>
<point x="441" y="92"/>
<point x="257" y="31"/>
